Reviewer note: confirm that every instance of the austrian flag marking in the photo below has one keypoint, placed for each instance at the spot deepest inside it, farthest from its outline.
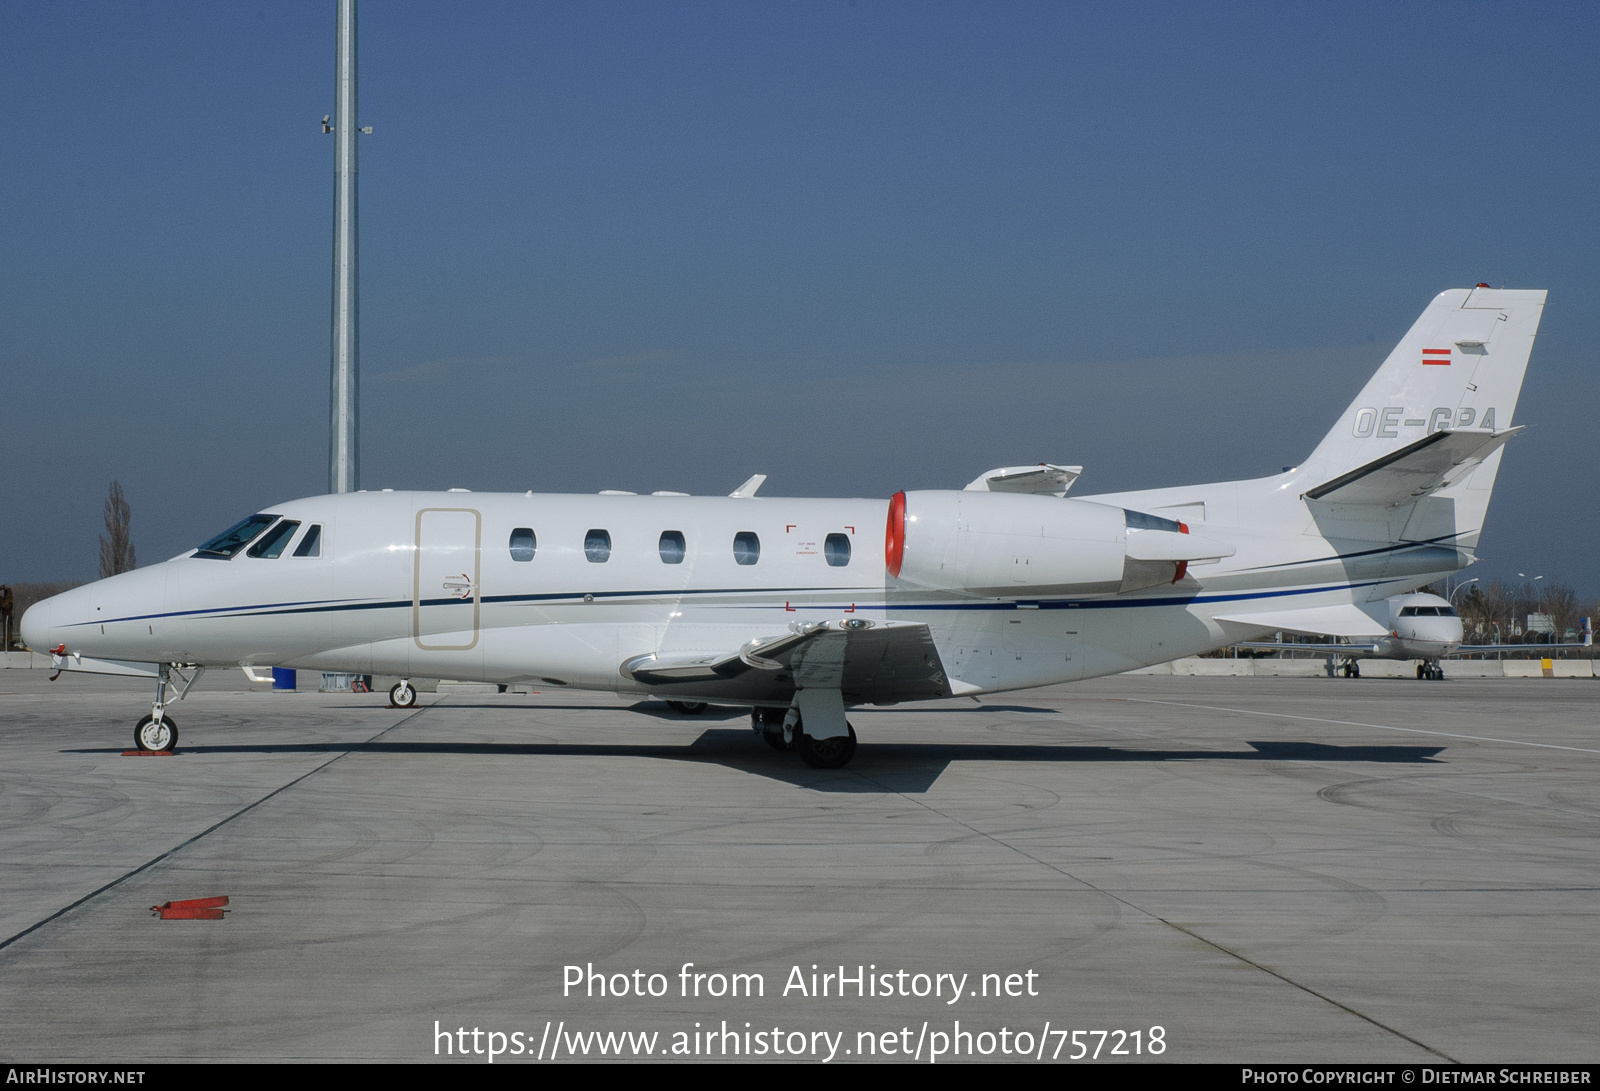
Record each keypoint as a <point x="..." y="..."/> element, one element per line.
<point x="1436" y="356"/>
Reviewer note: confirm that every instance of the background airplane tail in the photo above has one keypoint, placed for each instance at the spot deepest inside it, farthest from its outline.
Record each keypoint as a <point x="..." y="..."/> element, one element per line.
<point x="1458" y="369"/>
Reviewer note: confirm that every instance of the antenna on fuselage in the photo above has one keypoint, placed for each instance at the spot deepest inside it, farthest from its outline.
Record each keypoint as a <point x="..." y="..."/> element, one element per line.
<point x="344" y="421"/>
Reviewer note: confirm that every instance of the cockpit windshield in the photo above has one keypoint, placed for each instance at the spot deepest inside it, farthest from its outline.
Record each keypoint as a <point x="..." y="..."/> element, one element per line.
<point x="227" y="544"/>
<point x="273" y="542"/>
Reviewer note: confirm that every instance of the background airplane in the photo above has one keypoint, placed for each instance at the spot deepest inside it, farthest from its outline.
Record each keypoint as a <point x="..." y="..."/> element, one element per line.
<point x="802" y="608"/>
<point x="1416" y="626"/>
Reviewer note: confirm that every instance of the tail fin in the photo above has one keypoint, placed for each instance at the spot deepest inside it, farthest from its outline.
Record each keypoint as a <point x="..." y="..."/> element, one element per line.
<point x="1459" y="369"/>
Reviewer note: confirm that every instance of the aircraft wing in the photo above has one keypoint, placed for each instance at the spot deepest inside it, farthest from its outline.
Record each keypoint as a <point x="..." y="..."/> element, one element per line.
<point x="870" y="662"/>
<point x="1433" y="462"/>
<point x="1344" y="619"/>
<point x="1540" y="650"/>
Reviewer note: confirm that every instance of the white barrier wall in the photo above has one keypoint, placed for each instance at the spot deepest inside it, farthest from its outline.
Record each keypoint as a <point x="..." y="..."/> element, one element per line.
<point x="1372" y="668"/>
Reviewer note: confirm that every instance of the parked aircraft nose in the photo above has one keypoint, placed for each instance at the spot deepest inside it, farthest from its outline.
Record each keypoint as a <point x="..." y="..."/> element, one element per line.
<point x="36" y="631"/>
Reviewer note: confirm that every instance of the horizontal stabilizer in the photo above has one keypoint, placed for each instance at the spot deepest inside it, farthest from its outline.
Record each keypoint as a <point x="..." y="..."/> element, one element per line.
<point x="1343" y="619"/>
<point x="1433" y="462"/>
<point x="1045" y="479"/>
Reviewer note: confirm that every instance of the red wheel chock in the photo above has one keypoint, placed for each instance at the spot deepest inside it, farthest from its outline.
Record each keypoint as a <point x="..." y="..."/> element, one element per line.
<point x="194" y="909"/>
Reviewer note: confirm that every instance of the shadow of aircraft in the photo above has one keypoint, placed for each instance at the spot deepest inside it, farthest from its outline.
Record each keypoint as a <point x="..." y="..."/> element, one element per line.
<point x="910" y="768"/>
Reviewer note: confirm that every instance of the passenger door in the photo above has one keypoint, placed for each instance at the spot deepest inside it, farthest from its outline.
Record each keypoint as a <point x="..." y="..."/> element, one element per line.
<point x="445" y="586"/>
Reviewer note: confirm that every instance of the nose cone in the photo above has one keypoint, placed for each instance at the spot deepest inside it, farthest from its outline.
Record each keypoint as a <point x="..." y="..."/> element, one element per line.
<point x="36" y="630"/>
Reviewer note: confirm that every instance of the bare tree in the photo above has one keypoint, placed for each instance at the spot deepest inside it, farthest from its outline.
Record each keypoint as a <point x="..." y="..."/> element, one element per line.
<point x="1561" y="603"/>
<point x="116" y="545"/>
<point x="1497" y="609"/>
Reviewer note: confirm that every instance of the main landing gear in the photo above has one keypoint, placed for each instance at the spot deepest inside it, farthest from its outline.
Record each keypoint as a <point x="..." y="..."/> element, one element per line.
<point x="782" y="730"/>
<point x="1352" y="669"/>
<point x="403" y="694"/>
<point x="687" y="708"/>
<point x="158" y="731"/>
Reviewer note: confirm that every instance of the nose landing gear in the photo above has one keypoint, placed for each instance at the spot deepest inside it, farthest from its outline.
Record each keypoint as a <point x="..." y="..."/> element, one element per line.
<point x="158" y="731"/>
<point x="154" y="734"/>
<point x="1430" y="671"/>
<point x="403" y="694"/>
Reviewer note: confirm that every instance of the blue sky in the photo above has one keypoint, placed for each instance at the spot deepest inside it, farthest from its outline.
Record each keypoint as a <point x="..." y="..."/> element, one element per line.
<point x="855" y="246"/>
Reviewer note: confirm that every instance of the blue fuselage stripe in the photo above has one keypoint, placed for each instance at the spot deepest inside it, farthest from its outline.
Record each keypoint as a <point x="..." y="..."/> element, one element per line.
<point x="1065" y="603"/>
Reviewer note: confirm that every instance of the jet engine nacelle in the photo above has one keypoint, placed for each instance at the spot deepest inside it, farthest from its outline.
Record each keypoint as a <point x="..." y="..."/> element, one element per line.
<point x="1005" y="544"/>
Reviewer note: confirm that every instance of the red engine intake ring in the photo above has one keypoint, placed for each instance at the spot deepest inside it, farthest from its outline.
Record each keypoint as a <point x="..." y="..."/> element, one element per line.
<point x="894" y="536"/>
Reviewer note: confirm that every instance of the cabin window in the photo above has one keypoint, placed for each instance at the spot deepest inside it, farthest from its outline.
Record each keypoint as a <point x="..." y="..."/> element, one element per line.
<point x="311" y="544"/>
<point x="227" y="544"/>
<point x="836" y="548"/>
<point x="746" y="547"/>
<point x="597" y="546"/>
<point x="275" y="541"/>
<point x="672" y="547"/>
<point x="523" y="544"/>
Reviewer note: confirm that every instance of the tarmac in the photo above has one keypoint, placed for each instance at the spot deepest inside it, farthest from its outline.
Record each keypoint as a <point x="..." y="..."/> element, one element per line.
<point x="1231" y="869"/>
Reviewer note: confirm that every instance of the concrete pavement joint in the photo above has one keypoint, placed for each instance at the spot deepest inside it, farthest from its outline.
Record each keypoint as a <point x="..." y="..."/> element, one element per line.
<point x="1191" y="933"/>
<point x="153" y="861"/>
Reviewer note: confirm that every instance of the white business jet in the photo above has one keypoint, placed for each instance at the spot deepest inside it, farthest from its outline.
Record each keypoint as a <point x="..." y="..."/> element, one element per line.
<point x="1419" y="626"/>
<point x="1422" y="627"/>
<point x="801" y="609"/>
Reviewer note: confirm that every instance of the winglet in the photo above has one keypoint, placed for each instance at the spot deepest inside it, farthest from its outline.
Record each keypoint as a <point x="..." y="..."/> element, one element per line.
<point x="1045" y="478"/>
<point x="748" y="489"/>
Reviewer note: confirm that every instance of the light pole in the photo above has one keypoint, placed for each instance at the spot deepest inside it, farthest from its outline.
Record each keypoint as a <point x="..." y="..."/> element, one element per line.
<point x="1522" y="593"/>
<point x="344" y="429"/>
<point x="1452" y="599"/>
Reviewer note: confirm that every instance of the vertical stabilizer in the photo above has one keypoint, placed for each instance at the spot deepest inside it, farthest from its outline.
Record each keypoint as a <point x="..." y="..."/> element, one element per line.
<point x="1458" y="369"/>
<point x="1459" y="366"/>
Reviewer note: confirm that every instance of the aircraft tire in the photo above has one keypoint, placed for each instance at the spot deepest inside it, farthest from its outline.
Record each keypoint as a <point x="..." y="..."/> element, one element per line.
<point x="834" y="753"/>
<point x="152" y="737"/>
<point x="687" y="708"/>
<point x="768" y="723"/>
<point x="403" y="695"/>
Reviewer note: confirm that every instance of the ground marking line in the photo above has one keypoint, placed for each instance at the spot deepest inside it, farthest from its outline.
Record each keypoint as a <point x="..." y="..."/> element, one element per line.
<point x="1357" y="723"/>
<point x="152" y="862"/>
<point x="1157" y="917"/>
